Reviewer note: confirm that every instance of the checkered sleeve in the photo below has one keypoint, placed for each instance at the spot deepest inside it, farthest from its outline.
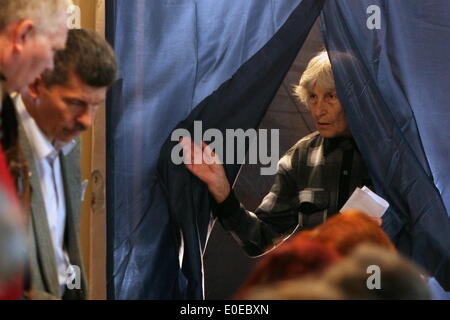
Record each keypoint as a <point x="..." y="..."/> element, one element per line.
<point x="273" y="221"/>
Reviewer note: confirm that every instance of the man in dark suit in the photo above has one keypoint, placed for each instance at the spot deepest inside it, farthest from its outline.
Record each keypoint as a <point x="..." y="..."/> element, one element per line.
<point x="52" y="114"/>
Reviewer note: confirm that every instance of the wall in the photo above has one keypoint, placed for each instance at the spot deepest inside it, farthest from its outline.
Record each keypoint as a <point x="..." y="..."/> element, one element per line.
<point x="92" y="229"/>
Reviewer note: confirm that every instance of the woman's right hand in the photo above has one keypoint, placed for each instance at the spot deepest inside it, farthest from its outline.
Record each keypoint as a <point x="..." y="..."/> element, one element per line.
<point x="206" y="165"/>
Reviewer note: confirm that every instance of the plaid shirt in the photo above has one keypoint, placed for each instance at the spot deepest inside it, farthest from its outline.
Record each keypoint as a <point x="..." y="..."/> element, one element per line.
<point x="314" y="179"/>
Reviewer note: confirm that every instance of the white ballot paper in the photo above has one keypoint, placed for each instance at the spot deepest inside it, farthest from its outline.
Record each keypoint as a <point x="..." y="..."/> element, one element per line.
<point x="367" y="201"/>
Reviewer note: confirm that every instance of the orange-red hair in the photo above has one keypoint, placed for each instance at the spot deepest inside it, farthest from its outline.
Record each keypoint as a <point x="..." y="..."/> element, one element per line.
<point x="311" y="252"/>
<point x="347" y="230"/>
<point x="290" y="260"/>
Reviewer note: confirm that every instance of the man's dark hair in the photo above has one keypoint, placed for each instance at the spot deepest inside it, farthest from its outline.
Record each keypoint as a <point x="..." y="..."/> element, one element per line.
<point x="89" y="56"/>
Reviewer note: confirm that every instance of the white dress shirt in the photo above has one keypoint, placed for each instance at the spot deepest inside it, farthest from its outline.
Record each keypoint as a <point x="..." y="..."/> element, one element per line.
<point x="48" y="164"/>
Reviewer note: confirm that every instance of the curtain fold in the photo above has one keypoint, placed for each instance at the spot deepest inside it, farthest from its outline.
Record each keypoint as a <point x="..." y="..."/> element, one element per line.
<point x="172" y="56"/>
<point x="221" y="62"/>
<point x="393" y="89"/>
<point x="239" y="103"/>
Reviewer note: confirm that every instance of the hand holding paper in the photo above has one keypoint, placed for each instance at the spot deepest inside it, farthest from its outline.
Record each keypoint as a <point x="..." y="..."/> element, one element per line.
<point x="366" y="201"/>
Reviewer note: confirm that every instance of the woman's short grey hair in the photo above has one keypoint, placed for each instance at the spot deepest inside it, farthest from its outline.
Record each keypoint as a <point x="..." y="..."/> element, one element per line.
<point x="41" y="12"/>
<point x="318" y="72"/>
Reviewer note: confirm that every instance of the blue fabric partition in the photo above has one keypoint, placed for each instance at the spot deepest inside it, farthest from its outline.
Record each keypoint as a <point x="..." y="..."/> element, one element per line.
<point x="393" y="83"/>
<point x="172" y="53"/>
<point x="239" y="103"/>
<point x="221" y="62"/>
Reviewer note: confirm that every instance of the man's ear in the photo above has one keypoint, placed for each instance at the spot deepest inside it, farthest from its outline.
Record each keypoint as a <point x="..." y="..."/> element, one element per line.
<point x="22" y="32"/>
<point x="35" y="88"/>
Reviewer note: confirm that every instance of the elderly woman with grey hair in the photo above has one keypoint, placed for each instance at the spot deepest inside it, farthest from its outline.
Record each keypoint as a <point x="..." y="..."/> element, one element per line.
<point x="314" y="179"/>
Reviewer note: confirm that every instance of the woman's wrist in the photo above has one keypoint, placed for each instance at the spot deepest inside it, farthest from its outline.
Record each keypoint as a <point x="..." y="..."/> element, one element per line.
<point x="220" y="191"/>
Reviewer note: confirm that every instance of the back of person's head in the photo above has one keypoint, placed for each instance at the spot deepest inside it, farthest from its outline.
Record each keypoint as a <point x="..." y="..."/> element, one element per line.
<point x="375" y="273"/>
<point x="90" y="57"/>
<point x="369" y="273"/>
<point x="347" y="230"/>
<point x="295" y="258"/>
<point x="308" y="288"/>
<point x="41" y="12"/>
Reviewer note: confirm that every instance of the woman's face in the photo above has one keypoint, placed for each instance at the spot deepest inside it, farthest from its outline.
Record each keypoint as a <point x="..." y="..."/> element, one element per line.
<point x="327" y="113"/>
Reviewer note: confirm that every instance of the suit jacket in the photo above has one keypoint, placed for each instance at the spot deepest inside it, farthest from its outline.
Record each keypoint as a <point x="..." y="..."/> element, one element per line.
<point x="43" y="271"/>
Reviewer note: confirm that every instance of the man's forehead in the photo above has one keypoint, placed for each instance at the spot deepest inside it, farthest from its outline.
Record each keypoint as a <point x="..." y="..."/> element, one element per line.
<point x="82" y="92"/>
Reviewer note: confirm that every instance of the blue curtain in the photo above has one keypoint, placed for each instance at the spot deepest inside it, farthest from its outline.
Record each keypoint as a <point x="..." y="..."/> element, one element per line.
<point x="175" y="53"/>
<point x="393" y="83"/>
